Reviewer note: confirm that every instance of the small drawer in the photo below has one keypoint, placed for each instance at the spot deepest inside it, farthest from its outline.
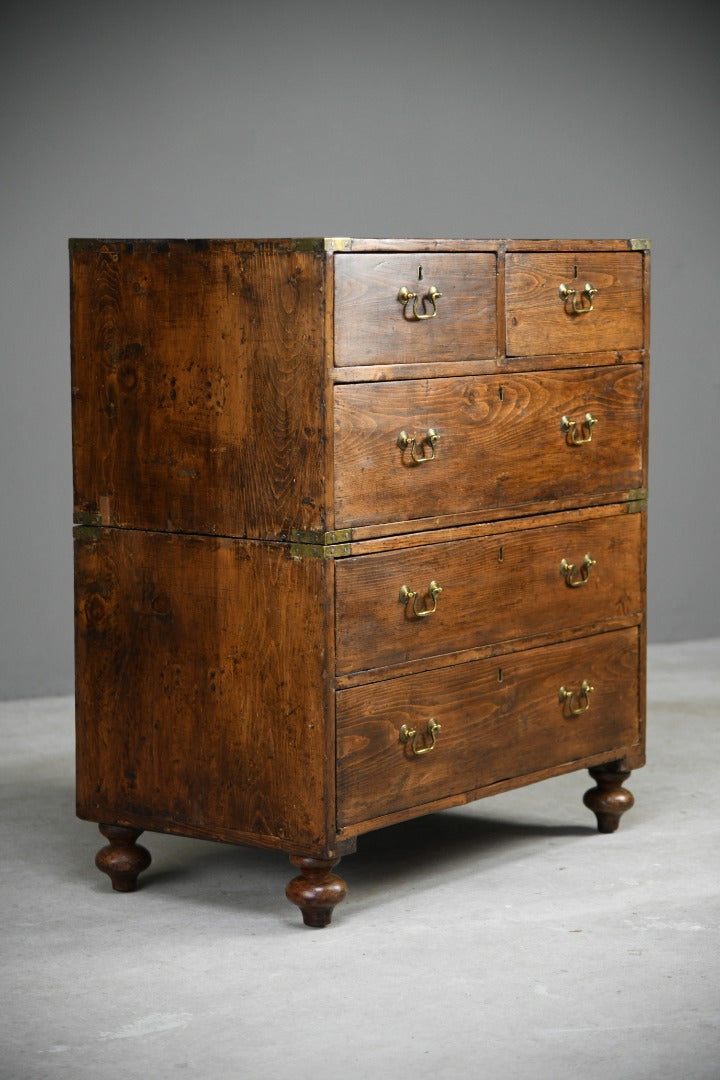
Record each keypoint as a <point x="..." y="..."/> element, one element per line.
<point x="402" y="309"/>
<point x="415" y="603"/>
<point x="412" y="740"/>
<point x="426" y="448"/>
<point x="573" y="303"/>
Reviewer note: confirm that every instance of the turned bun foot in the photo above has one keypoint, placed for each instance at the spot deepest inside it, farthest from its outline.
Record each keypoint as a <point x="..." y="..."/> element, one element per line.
<point x="315" y="890"/>
<point x="122" y="860"/>
<point x="609" y="800"/>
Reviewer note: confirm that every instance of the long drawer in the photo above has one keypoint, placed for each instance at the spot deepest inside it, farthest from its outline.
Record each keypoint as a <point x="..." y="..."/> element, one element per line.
<point x="506" y="717"/>
<point x="399" y="308"/>
<point x="414" y="603"/>
<point x="433" y="447"/>
<point x="573" y="302"/>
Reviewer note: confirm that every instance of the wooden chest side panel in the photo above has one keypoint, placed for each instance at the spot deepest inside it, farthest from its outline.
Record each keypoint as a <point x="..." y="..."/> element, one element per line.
<point x="200" y="703"/>
<point x="198" y="386"/>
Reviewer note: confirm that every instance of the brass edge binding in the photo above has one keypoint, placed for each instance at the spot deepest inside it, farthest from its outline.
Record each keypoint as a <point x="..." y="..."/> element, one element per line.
<point x="338" y="243"/>
<point x="638" y="500"/>
<point x="313" y="544"/>
<point x="639" y="245"/>
<point x="90" y="518"/>
<point x="87" y="525"/>
<point x="313" y="244"/>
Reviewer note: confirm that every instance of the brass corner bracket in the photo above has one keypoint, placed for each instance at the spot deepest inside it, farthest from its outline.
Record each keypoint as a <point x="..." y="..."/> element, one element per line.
<point x="638" y="501"/>
<point x="338" y="243"/>
<point x="87" y="525"/>
<point x="314" y="544"/>
<point x="639" y="245"/>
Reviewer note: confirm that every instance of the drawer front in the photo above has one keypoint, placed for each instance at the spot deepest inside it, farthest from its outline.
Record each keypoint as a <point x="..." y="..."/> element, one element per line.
<point x="495" y="588"/>
<point x="373" y="326"/>
<point x="491" y="728"/>
<point x="542" y="320"/>
<point x="497" y="442"/>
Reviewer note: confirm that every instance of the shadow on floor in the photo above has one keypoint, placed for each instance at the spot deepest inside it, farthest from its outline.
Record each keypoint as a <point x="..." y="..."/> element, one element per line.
<point x="451" y="842"/>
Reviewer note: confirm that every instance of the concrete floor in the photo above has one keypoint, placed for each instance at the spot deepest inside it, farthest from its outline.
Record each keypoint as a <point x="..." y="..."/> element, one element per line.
<point x="504" y="940"/>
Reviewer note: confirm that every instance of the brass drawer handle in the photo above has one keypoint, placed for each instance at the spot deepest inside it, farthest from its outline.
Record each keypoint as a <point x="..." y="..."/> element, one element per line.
<point x="430" y="438"/>
<point x="571" y="427"/>
<point x="583" y="698"/>
<point x="572" y="294"/>
<point x="567" y="569"/>
<point x="407" y="734"/>
<point x="405" y="296"/>
<point x="406" y="595"/>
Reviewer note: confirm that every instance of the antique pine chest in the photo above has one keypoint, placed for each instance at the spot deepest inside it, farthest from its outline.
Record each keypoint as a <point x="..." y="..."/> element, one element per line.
<point x="359" y="535"/>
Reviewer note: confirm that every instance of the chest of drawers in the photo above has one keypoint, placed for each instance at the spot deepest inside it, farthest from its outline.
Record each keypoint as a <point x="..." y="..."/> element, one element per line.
<point x="359" y="535"/>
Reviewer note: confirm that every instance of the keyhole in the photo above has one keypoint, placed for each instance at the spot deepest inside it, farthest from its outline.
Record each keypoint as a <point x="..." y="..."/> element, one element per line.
<point x="575" y="271"/>
<point x="500" y="674"/>
<point x="501" y="393"/>
<point x="501" y="554"/>
<point x="420" y="273"/>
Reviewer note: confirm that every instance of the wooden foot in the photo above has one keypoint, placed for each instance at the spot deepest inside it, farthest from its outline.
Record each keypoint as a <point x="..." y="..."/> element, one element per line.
<point x="609" y="800"/>
<point x="316" y="891"/>
<point x="122" y="860"/>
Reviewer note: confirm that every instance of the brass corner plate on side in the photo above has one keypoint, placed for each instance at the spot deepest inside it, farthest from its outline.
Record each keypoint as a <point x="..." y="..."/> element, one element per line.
<point x="312" y="544"/>
<point x="638" y="501"/>
<point x="338" y="243"/>
<point x="86" y="525"/>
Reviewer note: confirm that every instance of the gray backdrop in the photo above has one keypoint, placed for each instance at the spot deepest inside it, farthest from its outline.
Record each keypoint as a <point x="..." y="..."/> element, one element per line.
<point x="369" y="119"/>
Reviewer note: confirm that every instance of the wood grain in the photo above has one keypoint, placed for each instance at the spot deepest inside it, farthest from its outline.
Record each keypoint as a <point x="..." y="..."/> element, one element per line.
<point x="492" y="452"/>
<point x="539" y="322"/>
<point x="490" y="729"/>
<point x="457" y="244"/>
<point x="495" y="589"/>
<point x="391" y="372"/>
<point x="405" y="244"/>
<point x="483" y="652"/>
<point x="372" y="328"/>
<point x="226" y="392"/>
<point x="315" y="890"/>
<point x="200" y="688"/>
<point x="563" y="504"/>
<point x="468" y="531"/>
<point x="609" y="800"/>
<point x="198" y="386"/>
<point x="351" y="832"/>
<point x="122" y="859"/>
